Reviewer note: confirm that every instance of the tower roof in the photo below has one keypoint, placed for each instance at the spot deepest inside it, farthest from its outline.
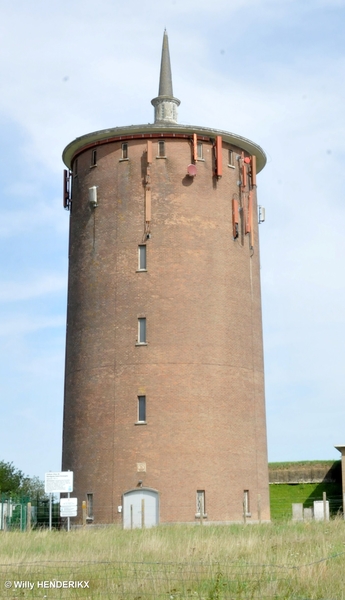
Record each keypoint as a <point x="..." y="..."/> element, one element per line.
<point x="165" y="122"/>
<point x="165" y="79"/>
<point x="165" y="104"/>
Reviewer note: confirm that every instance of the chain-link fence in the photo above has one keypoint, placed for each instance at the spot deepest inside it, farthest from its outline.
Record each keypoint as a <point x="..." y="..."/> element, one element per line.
<point x="20" y="513"/>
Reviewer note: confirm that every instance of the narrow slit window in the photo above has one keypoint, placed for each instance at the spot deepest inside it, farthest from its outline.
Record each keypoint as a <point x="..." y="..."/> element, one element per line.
<point x="199" y="151"/>
<point x="141" y="409"/>
<point x="161" y="149"/>
<point x="200" y="503"/>
<point x="124" y="151"/>
<point x="142" y="257"/>
<point x="142" y="331"/>
<point x="94" y="158"/>
<point x="89" y="506"/>
<point x="231" y="158"/>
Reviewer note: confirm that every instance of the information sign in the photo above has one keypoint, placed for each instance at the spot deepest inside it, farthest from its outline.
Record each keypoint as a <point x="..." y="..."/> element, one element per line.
<point x="68" y="507"/>
<point x="58" y="482"/>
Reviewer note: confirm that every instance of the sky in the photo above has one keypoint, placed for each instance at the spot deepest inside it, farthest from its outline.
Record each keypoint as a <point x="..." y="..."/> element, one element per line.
<point x="268" y="70"/>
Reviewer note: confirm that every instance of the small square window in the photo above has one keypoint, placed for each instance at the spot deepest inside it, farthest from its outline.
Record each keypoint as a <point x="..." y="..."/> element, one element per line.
<point x="94" y="158"/>
<point x="199" y="151"/>
<point x="161" y="149"/>
<point x="141" y="409"/>
<point x="142" y="257"/>
<point x="142" y="331"/>
<point x="124" y="151"/>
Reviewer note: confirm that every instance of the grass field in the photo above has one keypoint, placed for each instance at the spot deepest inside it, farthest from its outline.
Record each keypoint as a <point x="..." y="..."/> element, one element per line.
<point x="298" y="561"/>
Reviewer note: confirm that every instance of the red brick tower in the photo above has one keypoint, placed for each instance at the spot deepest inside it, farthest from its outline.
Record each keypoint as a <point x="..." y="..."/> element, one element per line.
<point x="164" y="417"/>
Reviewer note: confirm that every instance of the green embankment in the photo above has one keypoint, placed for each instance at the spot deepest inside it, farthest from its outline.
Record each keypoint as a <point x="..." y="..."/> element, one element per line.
<point x="283" y="495"/>
<point x="302" y="463"/>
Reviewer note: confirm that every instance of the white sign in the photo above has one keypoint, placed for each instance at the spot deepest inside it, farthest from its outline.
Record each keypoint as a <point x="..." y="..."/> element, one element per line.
<point x="58" y="482"/>
<point x="319" y="510"/>
<point x="68" y="507"/>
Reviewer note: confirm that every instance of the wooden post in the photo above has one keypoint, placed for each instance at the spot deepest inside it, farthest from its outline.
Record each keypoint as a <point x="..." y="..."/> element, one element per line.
<point x="324" y="506"/>
<point x="202" y="508"/>
<point x="28" y="520"/>
<point x="131" y="516"/>
<point x="259" y="507"/>
<point x="83" y="507"/>
<point x="244" y="509"/>
<point x="143" y="513"/>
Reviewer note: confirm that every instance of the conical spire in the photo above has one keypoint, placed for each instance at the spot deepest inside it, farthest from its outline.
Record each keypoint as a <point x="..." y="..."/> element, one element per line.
<point x="165" y="104"/>
<point x="165" y="79"/>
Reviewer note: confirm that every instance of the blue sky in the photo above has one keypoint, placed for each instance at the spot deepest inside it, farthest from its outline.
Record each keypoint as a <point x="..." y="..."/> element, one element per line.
<point x="269" y="70"/>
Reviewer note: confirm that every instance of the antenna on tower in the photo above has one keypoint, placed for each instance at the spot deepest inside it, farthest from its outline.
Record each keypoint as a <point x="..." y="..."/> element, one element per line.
<point x="262" y="214"/>
<point x="67" y="189"/>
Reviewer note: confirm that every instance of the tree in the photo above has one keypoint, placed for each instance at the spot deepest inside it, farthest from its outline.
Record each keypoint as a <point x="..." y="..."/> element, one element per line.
<point x="13" y="481"/>
<point x="33" y="487"/>
<point x="10" y="478"/>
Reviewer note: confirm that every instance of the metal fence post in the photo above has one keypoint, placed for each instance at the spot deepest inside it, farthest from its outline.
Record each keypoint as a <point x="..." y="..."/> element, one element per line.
<point x="28" y="520"/>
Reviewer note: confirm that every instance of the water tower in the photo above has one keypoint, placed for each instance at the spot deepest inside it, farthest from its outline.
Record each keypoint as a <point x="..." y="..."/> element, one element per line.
<point x="164" y="414"/>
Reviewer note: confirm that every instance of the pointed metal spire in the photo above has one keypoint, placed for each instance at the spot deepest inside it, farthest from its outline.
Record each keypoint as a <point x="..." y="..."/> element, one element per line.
<point x="165" y="79"/>
<point x="165" y="104"/>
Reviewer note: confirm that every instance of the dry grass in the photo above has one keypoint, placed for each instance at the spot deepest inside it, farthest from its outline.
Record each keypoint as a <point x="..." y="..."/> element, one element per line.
<point x="288" y="560"/>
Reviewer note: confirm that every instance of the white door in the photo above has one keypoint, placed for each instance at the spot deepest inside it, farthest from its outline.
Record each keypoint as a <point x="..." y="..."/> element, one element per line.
<point x="140" y="508"/>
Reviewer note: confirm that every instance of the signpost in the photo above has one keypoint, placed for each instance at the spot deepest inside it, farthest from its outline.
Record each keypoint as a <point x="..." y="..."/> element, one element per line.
<point x="58" y="482"/>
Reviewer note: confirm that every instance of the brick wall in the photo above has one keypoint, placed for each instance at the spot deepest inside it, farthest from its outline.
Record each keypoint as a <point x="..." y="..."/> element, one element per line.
<point x="202" y="368"/>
